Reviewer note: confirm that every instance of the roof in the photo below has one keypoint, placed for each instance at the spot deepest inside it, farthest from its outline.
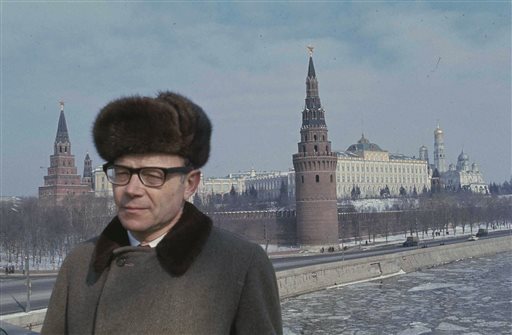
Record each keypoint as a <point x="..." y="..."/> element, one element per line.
<point x="311" y="68"/>
<point x="364" y="145"/>
<point x="62" y="129"/>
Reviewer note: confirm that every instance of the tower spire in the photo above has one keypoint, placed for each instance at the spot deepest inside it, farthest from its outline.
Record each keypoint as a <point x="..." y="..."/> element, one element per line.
<point x="313" y="114"/>
<point x="62" y="129"/>
<point x="311" y="67"/>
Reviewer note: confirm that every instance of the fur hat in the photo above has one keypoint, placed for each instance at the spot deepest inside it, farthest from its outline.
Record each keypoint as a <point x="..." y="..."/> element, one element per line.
<point x="167" y="124"/>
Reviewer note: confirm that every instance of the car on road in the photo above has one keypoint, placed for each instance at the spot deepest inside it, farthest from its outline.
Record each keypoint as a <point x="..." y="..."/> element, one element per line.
<point x="473" y="238"/>
<point x="411" y="241"/>
<point x="482" y="232"/>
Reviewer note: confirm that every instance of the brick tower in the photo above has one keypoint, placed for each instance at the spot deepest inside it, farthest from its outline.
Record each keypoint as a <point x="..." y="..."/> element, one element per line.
<point x="87" y="175"/>
<point x="315" y="173"/>
<point x="62" y="179"/>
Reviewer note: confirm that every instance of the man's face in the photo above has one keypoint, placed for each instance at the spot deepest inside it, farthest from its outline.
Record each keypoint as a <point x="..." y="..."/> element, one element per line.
<point x="149" y="212"/>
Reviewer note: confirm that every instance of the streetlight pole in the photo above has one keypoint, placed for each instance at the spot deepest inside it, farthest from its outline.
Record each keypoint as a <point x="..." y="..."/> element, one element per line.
<point x="29" y="283"/>
<point x="15" y="207"/>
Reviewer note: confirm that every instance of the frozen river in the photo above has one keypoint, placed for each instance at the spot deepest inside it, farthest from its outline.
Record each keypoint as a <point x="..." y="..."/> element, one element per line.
<point x="472" y="296"/>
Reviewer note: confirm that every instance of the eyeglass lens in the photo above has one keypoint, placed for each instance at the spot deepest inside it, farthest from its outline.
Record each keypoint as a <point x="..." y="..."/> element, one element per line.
<point x="148" y="176"/>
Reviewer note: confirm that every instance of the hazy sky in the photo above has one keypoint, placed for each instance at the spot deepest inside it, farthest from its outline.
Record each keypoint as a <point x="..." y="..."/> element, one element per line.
<point x="392" y="70"/>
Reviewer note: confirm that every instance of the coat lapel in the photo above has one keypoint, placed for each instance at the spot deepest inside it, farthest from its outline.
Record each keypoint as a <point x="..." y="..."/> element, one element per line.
<point x="177" y="250"/>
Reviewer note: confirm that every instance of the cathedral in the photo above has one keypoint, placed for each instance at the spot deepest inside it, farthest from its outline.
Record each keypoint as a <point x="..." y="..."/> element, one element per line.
<point x="462" y="176"/>
<point x="62" y="179"/>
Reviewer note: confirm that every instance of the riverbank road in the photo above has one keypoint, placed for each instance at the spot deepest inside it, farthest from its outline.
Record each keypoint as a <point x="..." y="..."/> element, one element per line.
<point x="13" y="292"/>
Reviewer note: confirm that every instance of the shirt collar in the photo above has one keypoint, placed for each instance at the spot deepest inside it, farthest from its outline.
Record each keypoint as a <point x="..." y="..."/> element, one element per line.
<point x="135" y="243"/>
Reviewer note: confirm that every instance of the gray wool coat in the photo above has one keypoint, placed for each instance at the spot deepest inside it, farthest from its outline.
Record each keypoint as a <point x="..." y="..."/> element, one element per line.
<point x="198" y="280"/>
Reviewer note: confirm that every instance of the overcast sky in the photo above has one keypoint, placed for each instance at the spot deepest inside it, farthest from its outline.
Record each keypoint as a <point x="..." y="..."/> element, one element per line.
<point x="390" y="70"/>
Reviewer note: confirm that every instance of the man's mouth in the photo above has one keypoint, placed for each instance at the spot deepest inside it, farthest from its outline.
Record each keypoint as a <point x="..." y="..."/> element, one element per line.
<point x="133" y="208"/>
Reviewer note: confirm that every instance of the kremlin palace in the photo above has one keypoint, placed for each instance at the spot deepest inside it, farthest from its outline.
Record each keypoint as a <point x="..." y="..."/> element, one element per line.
<point x="366" y="166"/>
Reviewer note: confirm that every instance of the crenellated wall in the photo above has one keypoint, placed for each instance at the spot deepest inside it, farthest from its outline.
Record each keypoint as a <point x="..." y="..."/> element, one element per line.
<point x="280" y="227"/>
<point x="274" y="227"/>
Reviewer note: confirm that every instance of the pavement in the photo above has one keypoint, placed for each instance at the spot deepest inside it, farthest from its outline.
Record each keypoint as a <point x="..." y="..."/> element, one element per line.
<point x="9" y="329"/>
<point x="18" y="275"/>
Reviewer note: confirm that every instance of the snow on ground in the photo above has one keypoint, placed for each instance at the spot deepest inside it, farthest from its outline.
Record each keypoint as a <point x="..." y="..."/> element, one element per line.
<point x="391" y="239"/>
<point x="273" y="250"/>
<point x="379" y="205"/>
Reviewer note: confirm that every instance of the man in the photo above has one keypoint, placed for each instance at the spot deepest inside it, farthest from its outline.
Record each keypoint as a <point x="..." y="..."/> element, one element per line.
<point x="191" y="278"/>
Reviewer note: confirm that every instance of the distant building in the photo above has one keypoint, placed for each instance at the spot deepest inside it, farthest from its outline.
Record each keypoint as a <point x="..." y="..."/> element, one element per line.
<point x="270" y="185"/>
<point x="464" y="176"/>
<point x="102" y="187"/>
<point x="267" y="184"/>
<point x="439" y="155"/>
<point x="436" y="182"/>
<point x="87" y="177"/>
<point x="62" y="179"/>
<point x="424" y="154"/>
<point x="367" y="169"/>
<point x="214" y="186"/>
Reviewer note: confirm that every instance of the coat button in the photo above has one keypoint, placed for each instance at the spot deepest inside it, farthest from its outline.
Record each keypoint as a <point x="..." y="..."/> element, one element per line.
<point x="121" y="261"/>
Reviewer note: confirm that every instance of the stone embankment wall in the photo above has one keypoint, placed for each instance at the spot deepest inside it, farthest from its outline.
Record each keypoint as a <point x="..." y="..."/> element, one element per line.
<point x="311" y="278"/>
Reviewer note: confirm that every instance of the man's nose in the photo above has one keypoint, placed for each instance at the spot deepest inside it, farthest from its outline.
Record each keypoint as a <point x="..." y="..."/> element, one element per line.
<point x="134" y="186"/>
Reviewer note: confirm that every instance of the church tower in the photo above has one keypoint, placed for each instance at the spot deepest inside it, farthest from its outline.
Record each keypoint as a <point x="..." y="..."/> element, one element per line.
<point x="62" y="179"/>
<point x="424" y="154"/>
<point x="87" y="175"/>
<point x="315" y="173"/>
<point x="439" y="155"/>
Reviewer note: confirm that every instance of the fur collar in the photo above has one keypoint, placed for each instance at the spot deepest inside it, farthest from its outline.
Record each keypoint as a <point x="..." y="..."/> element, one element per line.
<point x="175" y="252"/>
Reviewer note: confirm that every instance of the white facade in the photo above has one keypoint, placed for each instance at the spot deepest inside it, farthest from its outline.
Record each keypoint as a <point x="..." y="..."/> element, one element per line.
<point x="267" y="184"/>
<point x="102" y="187"/>
<point x="371" y="169"/>
<point x="464" y="176"/>
<point x="439" y="155"/>
<point x="220" y="185"/>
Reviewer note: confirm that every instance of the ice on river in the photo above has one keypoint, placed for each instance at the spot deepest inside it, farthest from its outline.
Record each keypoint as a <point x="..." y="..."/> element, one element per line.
<point x="473" y="296"/>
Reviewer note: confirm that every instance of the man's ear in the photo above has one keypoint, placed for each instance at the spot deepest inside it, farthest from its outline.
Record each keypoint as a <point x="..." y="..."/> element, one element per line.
<point x="191" y="183"/>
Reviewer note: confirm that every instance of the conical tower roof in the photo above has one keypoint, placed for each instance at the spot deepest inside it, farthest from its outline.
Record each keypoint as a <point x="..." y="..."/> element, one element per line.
<point x="62" y="129"/>
<point x="311" y="68"/>
<point x="314" y="113"/>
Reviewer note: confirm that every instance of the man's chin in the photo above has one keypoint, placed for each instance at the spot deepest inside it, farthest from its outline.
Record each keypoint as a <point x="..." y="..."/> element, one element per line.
<point x="135" y="223"/>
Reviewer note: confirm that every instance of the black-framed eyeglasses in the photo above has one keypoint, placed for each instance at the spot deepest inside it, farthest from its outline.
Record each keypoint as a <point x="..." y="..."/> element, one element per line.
<point x="149" y="176"/>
